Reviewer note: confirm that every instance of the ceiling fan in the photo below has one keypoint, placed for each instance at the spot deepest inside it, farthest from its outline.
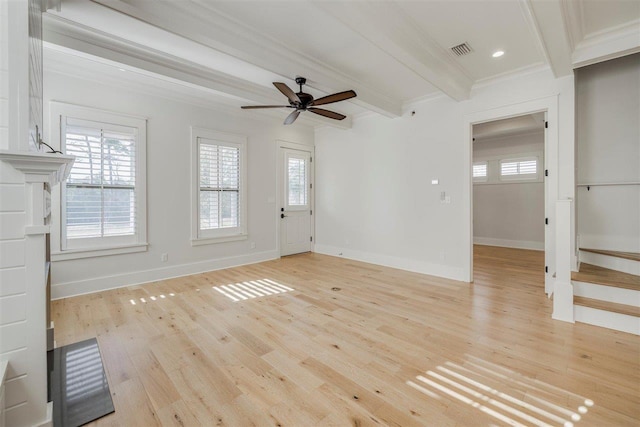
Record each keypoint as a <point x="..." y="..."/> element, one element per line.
<point x="304" y="102"/>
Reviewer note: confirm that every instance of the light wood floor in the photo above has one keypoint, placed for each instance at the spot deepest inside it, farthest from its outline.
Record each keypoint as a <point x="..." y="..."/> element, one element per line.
<point x="387" y="348"/>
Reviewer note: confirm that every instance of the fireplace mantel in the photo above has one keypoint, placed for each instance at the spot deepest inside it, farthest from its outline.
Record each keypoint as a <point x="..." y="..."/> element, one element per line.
<point x="51" y="168"/>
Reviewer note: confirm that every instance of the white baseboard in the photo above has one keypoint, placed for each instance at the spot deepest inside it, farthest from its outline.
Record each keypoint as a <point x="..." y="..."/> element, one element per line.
<point x="70" y="289"/>
<point x="612" y="263"/>
<point x="607" y="319"/>
<point x="516" y="244"/>
<point x="454" y="273"/>
<point x="606" y="293"/>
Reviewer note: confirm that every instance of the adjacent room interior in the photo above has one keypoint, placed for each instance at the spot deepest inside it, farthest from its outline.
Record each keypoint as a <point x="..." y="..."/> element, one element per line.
<point x="312" y="213"/>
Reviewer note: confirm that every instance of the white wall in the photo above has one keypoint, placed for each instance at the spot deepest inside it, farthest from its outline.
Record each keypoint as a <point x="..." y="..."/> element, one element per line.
<point x="168" y="187"/>
<point x="375" y="201"/>
<point x="608" y="150"/>
<point x="509" y="214"/>
<point x="4" y="76"/>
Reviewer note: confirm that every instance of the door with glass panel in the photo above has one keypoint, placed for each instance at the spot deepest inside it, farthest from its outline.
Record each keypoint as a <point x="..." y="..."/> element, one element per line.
<point x="295" y="210"/>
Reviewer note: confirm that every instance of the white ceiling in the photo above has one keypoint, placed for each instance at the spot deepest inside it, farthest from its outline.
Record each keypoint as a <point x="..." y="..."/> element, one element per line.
<point x="390" y="52"/>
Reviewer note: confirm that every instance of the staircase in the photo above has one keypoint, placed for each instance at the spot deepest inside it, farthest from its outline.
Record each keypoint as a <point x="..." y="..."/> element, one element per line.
<point x="607" y="290"/>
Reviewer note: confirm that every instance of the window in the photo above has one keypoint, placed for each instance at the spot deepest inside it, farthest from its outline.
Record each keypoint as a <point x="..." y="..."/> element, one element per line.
<point x="480" y="171"/>
<point x="519" y="169"/>
<point x="297" y="181"/>
<point x="103" y="201"/>
<point x="219" y="187"/>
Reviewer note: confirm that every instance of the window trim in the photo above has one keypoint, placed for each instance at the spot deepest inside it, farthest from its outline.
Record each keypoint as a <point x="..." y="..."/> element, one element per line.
<point x="206" y="237"/>
<point x="60" y="250"/>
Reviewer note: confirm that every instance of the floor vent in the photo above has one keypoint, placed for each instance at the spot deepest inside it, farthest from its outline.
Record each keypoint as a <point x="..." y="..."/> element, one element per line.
<point x="461" y="49"/>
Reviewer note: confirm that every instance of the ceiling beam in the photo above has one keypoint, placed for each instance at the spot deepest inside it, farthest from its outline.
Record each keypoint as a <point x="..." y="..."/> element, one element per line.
<point x="209" y="27"/>
<point x="112" y="50"/>
<point x="389" y="28"/>
<point x="547" y="21"/>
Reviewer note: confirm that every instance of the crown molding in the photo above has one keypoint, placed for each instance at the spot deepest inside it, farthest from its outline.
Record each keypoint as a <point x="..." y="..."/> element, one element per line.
<point x="608" y="44"/>
<point x="408" y="44"/>
<point x="203" y="23"/>
<point x="510" y="75"/>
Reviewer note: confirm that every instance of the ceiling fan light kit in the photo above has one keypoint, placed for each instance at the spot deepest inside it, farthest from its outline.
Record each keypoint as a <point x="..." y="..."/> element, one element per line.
<point x="302" y="101"/>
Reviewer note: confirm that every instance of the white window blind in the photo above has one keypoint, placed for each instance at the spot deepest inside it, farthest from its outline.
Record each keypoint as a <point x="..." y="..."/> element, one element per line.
<point x="480" y="170"/>
<point x="100" y="194"/>
<point x="219" y="189"/>
<point x="297" y="181"/>
<point x="514" y="168"/>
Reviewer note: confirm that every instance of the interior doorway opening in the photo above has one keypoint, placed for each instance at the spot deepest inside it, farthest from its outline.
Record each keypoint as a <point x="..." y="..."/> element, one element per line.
<point x="509" y="194"/>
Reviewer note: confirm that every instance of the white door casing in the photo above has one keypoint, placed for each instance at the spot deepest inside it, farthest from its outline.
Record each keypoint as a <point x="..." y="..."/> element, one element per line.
<point x="295" y="201"/>
<point x="548" y="105"/>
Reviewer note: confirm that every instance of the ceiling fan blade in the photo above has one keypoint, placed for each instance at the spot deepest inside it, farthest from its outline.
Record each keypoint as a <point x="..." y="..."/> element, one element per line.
<point x="286" y="91"/>
<point x="251" y="107"/>
<point x="340" y="96"/>
<point x="292" y="117"/>
<point x="327" y="113"/>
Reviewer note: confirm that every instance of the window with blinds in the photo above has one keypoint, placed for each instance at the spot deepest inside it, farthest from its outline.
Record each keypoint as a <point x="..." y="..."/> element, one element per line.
<point x="480" y="171"/>
<point x="519" y="169"/>
<point x="102" y="207"/>
<point x="219" y="186"/>
<point x="297" y="185"/>
<point x="101" y="188"/>
<point x="219" y="211"/>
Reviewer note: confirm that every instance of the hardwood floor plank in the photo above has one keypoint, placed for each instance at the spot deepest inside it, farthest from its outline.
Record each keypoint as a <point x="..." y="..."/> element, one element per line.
<point x="388" y="348"/>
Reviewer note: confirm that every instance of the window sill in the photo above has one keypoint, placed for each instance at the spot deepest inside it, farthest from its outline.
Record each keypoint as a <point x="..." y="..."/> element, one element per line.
<point x="91" y="253"/>
<point x="221" y="239"/>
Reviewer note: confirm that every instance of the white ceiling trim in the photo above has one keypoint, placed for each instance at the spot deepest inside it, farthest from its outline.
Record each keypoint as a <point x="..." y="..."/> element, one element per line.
<point x="61" y="60"/>
<point x="60" y="31"/>
<point x="549" y="24"/>
<point x="608" y="44"/>
<point x="211" y="28"/>
<point x="573" y="15"/>
<point x="407" y="44"/>
<point x="513" y="74"/>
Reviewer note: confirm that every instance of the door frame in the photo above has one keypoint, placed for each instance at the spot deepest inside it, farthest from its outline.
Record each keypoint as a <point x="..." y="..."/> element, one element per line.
<point x="548" y="105"/>
<point x="280" y="144"/>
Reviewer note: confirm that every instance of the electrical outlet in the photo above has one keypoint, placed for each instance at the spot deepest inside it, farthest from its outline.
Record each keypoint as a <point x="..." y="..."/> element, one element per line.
<point x="253" y="245"/>
<point x="164" y="257"/>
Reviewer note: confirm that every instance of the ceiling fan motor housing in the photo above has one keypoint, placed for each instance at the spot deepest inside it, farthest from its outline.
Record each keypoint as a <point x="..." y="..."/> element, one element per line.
<point x="305" y="99"/>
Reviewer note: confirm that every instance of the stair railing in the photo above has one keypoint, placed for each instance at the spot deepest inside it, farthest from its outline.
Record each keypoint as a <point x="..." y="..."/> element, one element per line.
<point x="563" y="288"/>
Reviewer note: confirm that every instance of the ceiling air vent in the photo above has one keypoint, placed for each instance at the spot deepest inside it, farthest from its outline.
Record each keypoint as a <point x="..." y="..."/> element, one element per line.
<point x="461" y="49"/>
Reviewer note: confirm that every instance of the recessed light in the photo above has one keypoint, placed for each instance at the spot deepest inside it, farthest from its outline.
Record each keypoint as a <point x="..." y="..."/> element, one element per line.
<point x="122" y="69"/>
<point x="497" y="54"/>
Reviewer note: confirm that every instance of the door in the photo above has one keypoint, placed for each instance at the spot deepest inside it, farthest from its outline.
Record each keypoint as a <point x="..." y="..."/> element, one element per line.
<point x="295" y="201"/>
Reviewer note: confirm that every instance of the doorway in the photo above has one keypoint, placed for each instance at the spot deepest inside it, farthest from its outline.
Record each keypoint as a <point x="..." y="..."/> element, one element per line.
<point x="508" y="182"/>
<point x="295" y="198"/>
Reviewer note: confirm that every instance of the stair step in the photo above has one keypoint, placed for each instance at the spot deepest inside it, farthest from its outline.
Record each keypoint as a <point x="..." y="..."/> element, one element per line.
<point x="603" y="276"/>
<point x="628" y="310"/>
<point x="633" y="256"/>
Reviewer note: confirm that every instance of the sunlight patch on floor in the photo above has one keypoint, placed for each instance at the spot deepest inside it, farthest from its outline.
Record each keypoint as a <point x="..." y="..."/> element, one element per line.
<point x="133" y="301"/>
<point x="242" y="291"/>
<point x="527" y="402"/>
